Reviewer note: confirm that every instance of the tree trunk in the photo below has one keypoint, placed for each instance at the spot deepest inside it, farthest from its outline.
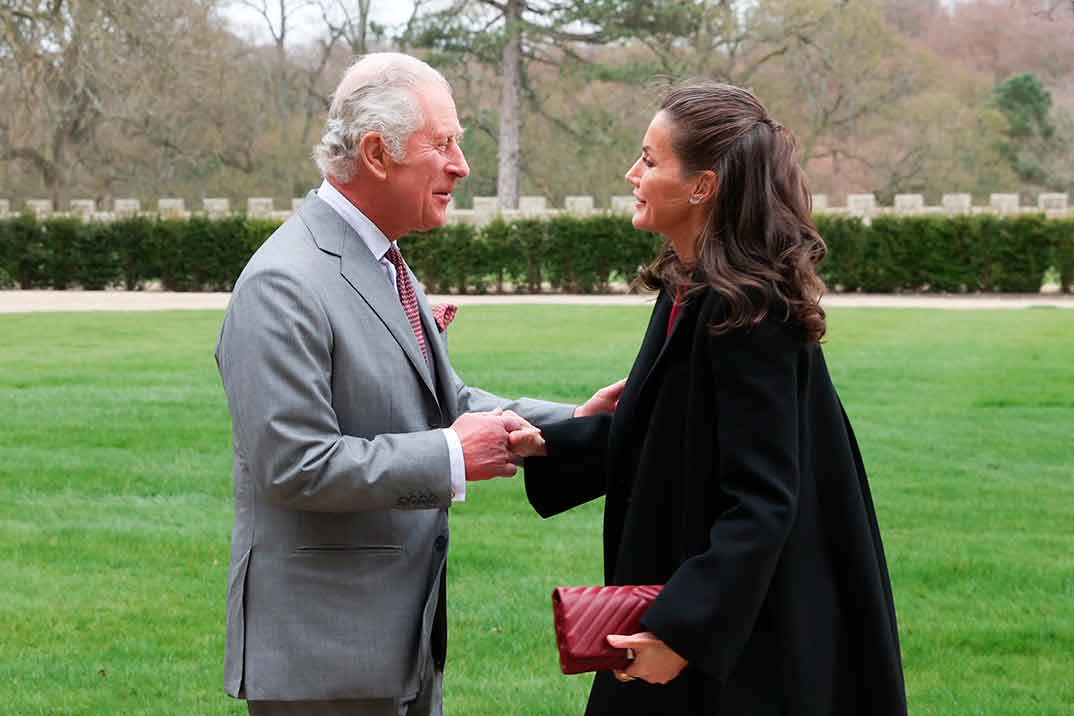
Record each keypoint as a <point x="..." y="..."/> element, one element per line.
<point x="363" y="26"/>
<point x="283" y="83"/>
<point x="507" y="183"/>
<point x="56" y="172"/>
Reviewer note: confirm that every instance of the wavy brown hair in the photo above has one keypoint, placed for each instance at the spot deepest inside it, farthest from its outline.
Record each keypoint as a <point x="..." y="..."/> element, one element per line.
<point x="759" y="248"/>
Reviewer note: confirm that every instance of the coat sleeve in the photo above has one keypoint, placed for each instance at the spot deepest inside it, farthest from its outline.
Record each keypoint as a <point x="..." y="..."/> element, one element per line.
<point x="275" y="359"/>
<point x="710" y="604"/>
<point x="573" y="472"/>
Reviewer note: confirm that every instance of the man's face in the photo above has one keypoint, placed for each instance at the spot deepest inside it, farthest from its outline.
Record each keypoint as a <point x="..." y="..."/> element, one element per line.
<point x="421" y="185"/>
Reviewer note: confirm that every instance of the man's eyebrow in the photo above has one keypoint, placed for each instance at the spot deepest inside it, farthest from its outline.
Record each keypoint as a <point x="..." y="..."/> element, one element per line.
<point x="456" y="134"/>
<point x="647" y="149"/>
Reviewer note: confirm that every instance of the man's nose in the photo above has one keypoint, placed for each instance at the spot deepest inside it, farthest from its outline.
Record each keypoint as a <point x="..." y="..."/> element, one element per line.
<point x="458" y="165"/>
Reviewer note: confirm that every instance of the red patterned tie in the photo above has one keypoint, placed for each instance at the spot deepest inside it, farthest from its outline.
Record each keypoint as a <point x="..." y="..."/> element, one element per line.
<point x="407" y="297"/>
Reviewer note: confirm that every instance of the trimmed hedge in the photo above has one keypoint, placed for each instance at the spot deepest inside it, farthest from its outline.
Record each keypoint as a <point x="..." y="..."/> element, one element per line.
<point x="1062" y="240"/>
<point x="952" y="254"/>
<point x="573" y="254"/>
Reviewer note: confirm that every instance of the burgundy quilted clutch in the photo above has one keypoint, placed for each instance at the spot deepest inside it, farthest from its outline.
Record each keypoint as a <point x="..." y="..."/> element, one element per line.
<point x="585" y="615"/>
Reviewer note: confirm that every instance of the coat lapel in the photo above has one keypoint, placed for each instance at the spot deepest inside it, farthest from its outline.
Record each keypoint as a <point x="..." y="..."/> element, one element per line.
<point x="366" y="276"/>
<point x="655" y="351"/>
<point x="666" y="340"/>
<point x="651" y="348"/>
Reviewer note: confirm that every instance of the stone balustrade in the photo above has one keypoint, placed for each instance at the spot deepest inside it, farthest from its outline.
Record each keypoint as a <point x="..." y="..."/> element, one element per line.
<point x="486" y="208"/>
<point x="260" y="207"/>
<point x="216" y="207"/>
<point x="859" y="204"/>
<point x="84" y="208"/>
<point x="1004" y="203"/>
<point x="39" y="207"/>
<point x="865" y="206"/>
<point x="579" y="204"/>
<point x="126" y="207"/>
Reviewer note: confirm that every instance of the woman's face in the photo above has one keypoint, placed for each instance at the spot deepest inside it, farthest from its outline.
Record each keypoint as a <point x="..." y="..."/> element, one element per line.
<point x="661" y="190"/>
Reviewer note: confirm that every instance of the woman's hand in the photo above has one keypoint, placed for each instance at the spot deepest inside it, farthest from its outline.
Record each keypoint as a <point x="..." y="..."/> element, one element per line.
<point x="526" y="442"/>
<point x="605" y="400"/>
<point x="654" y="661"/>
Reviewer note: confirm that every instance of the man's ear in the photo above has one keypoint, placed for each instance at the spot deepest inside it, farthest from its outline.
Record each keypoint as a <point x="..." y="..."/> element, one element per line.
<point x="705" y="188"/>
<point x="373" y="155"/>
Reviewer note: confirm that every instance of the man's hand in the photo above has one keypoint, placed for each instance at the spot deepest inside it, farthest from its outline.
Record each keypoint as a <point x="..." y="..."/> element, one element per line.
<point x="605" y="400"/>
<point x="654" y="661"/>
<point x="484" y="444"/>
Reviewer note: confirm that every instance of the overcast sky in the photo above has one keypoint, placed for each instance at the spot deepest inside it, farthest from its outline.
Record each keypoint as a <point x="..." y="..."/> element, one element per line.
<point x="248" y="22"/>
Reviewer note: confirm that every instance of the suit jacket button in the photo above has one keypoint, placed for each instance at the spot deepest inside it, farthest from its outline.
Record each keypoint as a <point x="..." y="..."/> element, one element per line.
<point x="441" y="543"/>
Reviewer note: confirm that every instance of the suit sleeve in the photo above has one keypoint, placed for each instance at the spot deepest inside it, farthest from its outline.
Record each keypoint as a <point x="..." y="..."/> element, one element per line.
<point x="573" y="473"/>
<point x="275" y="359"/>
<point x="537" y="412"/>
<point x="709" y="606"/>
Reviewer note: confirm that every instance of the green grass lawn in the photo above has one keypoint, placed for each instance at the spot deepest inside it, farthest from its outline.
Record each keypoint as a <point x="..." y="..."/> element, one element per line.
<point x="115" y="508"/>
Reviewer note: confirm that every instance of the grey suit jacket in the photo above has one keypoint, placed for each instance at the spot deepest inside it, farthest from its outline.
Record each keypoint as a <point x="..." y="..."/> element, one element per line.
<point x="342" y="478"/>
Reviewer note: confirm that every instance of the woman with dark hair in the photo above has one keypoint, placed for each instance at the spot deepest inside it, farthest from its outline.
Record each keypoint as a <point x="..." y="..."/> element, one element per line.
<point x="730" y="470"/>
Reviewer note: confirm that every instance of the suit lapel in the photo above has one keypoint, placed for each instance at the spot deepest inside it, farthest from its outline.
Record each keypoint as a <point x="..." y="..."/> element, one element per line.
<point x="366" y="276"/>
<point x="446" y="398"/>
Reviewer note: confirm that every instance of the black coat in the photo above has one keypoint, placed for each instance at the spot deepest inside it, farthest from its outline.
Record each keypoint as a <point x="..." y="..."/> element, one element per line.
<point x="732" y="475"/>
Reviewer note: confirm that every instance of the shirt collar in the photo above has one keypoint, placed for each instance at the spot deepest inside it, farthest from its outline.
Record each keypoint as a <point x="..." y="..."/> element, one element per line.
<point x="373" y="237"/>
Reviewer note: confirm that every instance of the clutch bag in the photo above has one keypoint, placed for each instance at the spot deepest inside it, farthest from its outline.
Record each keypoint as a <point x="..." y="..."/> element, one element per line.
<point x="583" y="616"/>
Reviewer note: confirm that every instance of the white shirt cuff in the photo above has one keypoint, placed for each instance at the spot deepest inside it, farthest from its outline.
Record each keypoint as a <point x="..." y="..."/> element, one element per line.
<point x="458" y="465"/>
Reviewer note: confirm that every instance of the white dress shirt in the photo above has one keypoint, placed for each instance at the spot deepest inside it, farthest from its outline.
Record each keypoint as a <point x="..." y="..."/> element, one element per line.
<point x="378" y="245"/>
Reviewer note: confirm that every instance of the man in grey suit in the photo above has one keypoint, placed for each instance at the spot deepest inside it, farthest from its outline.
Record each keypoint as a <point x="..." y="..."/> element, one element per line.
<point x="352" y="432"/>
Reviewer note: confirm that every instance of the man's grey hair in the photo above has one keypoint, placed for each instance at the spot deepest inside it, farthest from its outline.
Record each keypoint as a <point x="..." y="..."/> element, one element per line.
<point x="377" y="94"/>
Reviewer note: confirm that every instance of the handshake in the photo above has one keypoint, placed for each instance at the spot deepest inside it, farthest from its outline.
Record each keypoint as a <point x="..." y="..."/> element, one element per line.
<point x="494" y="443"/>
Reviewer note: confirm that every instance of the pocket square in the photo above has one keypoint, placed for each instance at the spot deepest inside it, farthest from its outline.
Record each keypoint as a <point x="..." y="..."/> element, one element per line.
<point x="444" y="314"/>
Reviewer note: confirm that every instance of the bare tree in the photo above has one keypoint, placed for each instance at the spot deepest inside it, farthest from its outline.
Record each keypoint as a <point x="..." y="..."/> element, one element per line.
<point x="508" y="180"/>
<point x="105" y="92"/>
<point x="52" y="86"/>
<point x="297" y="72"/>
<point x="513" y="34"/>
<point x="278" y="18"/>
<point x="202" y="109"/>
<point x="1052" y="9"/>
<point x="348" y="21"/>
<point x="844" y="72"/>
<point x="343" y="22"/>
<point x="732" y="40"/>
<point x="72" y="71"/>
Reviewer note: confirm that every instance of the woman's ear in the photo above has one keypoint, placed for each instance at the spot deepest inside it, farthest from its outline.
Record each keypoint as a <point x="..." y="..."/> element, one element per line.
<point x="705" y="188"/>
<point x="373" y="155"/>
